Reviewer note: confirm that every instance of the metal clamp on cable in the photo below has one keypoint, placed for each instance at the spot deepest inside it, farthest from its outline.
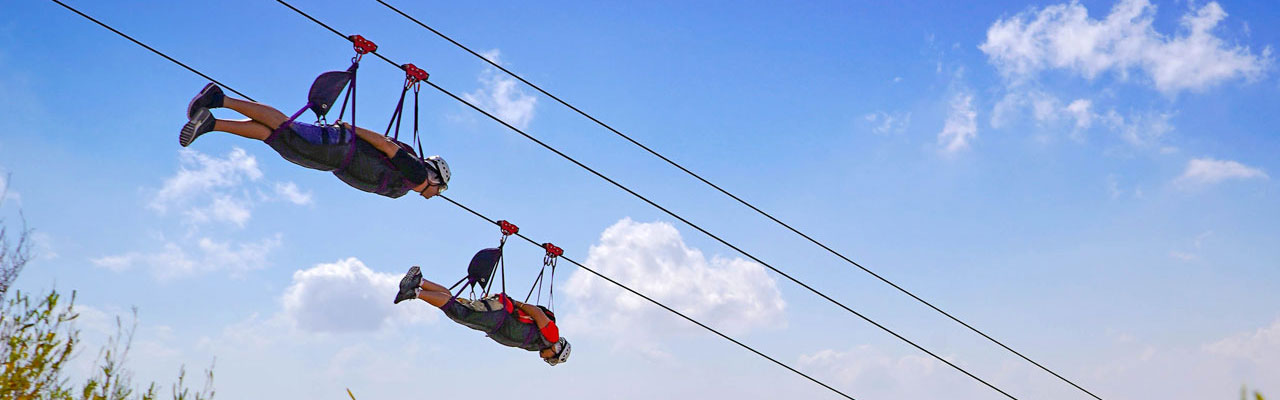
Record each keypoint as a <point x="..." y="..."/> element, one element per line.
<point x="414" y="74"/>
<point x="508" y="228"/>
<point x="363" y="46"/>
<point x="552" y="250"/>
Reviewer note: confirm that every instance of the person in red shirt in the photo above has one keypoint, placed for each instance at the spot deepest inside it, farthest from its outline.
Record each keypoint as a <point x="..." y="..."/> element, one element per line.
<point x="506" y="321"/>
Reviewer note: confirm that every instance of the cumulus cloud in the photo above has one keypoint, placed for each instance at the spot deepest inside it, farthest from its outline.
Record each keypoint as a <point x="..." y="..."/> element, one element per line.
<point x="1064" y="37"/>
<point x="174" y="261"/>
<point x="347" y="296"/>
<point x="1208" y="171"/>
<point x="884" y="123"/>
<point x="217" y="189"/>
<point x="501" y="95"/>
<point x="199" y="173"/>
<point x="961" y="126"/>
<point x="730" y="294"/>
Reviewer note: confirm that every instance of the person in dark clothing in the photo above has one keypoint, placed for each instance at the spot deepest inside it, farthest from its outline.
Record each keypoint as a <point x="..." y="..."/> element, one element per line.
<point x="506" y="321"/>
<point x="364" y="159"/>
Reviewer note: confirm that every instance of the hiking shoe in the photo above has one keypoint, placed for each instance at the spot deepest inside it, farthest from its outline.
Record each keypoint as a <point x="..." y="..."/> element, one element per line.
<point x="210" y="97"/>
<point x="201" y="123"/>
<point x="408" y="284"/>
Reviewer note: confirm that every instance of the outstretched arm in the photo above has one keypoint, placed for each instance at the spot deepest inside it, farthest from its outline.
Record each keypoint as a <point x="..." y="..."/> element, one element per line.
<point x="390" y="148"/>
<point x="378" y="140"/>
<point x="536" y="313"/>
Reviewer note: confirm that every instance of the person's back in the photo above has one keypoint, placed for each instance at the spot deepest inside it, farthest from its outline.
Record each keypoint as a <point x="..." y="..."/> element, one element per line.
<point x="506" y="321"/>
<point x="365" y="160"/>
<point x="502" y="321"/>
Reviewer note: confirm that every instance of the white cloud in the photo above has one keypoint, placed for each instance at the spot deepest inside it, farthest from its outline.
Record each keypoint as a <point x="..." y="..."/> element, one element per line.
<point x="347" y="296"/>
<point x="289" y="191"/>
<point x="223" y="208"/>
<point x="174" y="261"/>
<point x="1080" y="111"/>
<point x="1140" y="130"/>
<point x="502" y="96"/>
<point x="199" y="174"/>
<point x="1212" y="370"/>
<point x="733" y="295"/>
<point x="1044" y="107"/>
<point x="1208" y="171"/>
<point x="1063" y="36"/>
<point x="217" y="189"/>
<point x="493" y="55"/>
<point x="961" y="126"/>
<point x="885" y="123"/>
<point x="1260" y="347"/>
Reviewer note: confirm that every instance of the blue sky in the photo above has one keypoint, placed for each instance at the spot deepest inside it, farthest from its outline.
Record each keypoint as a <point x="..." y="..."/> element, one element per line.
<point x="1091" y="182"/>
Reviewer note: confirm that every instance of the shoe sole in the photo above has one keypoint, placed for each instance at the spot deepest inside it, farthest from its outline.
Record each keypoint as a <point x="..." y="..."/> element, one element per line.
<point x="189" y="134"/>
<point x="191" y="106"/>
<point x="407" y="283"/>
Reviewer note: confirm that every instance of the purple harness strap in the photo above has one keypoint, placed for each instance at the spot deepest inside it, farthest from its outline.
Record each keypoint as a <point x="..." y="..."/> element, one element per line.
<point x="284" y="125"/>
<point x="351" y="151"/>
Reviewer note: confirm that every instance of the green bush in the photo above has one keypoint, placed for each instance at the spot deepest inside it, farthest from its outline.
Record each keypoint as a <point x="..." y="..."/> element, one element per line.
<point x="40" y="337"/>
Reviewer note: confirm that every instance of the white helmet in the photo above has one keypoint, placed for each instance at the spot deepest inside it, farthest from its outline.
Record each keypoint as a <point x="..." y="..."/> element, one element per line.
<point x="562" y="354"/>
<point x="441" y="168"/>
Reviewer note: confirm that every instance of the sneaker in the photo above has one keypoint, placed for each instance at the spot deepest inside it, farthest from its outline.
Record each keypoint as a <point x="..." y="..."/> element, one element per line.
<point x="210" y="97"/>
<point x="201" y="123"/>
<point x="408" y="284"/>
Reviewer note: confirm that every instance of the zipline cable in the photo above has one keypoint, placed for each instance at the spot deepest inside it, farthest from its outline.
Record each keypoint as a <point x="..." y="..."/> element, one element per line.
<point x="135" y="41"/>
<point x="664" y="209"/>
<point x="651" y="300"/>
<point x="731" y="195"/>
<point x="490" y="220"/>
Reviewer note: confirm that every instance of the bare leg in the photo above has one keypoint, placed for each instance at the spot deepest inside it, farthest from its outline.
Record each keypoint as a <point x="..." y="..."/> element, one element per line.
<point x="261" y="113"/>
<point x="250" y="129"/>
<point x="433" y="287"/>
<point x="437" y="299"/>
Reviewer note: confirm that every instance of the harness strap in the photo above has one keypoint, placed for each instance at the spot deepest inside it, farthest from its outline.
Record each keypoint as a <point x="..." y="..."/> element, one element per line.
<point x="285" y="125"/>
<point x="397" y="115"/>
<point x="421" y="155"/>
<point x="351" y="148"/>
<point x="470" y="282"/>
<point x="508" y="307"/>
